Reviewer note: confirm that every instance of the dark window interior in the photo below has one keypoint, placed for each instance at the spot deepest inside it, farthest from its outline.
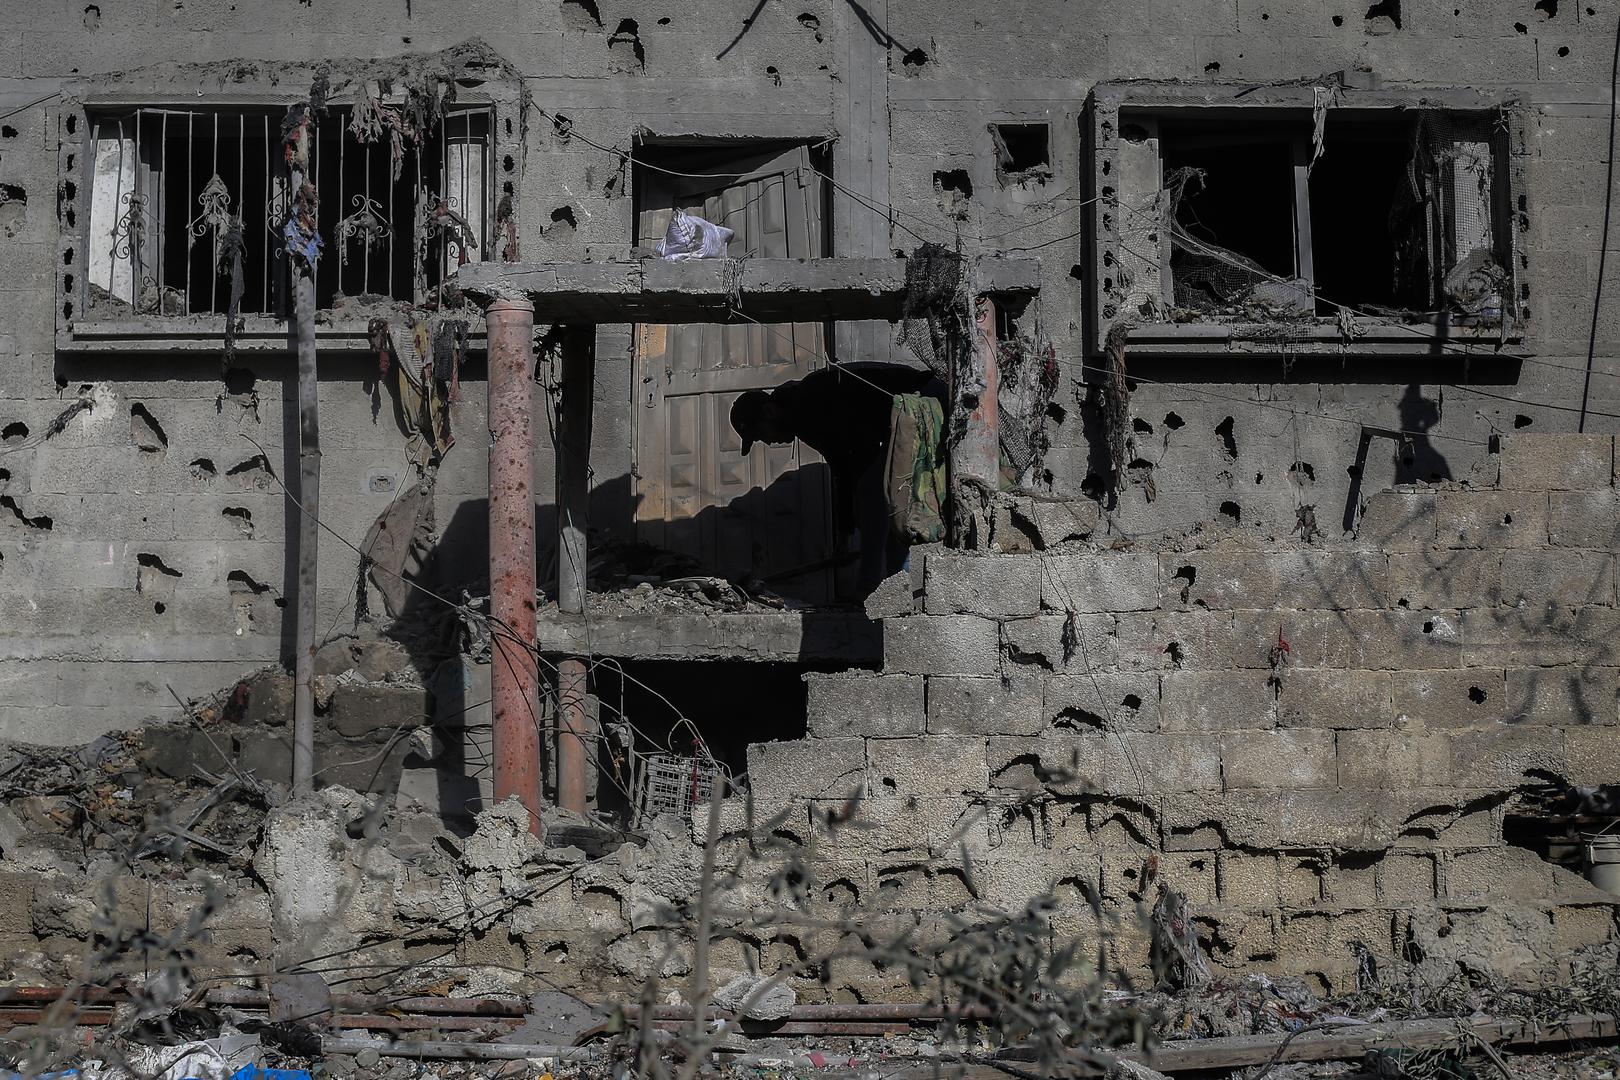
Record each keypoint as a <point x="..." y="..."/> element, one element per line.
<point x="1353" y="189"/>
<point x="729" y="703"/>
<point x="1245" y="199"/>
<point x="1023" y="152"/>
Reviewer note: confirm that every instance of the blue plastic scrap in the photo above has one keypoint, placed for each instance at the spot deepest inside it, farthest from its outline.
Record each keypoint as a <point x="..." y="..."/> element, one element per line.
<point x="259" y="1072"/>
<point x="304" y="244"/>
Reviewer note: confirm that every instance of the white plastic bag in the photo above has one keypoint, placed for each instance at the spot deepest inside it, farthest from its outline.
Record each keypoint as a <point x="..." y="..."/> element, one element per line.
<point x="691" y="237"/>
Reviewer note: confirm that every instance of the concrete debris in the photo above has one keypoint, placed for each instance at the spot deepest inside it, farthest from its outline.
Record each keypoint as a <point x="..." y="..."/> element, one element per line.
<point x="756" y="998"/>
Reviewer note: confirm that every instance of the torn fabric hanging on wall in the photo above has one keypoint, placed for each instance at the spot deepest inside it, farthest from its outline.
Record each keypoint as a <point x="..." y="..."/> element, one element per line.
<point x="426" y="362"/>
<point x="229" y="266"/>
<point x="1028" y="372"/>
<point x="398" y="544"/>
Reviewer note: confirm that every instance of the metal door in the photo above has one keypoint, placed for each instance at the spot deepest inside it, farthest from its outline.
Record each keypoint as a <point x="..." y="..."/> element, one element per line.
<point x="769" y="512"/>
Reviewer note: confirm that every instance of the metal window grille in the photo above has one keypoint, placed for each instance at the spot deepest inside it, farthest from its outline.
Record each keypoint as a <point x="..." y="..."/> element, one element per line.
<point x="166" y="185"/>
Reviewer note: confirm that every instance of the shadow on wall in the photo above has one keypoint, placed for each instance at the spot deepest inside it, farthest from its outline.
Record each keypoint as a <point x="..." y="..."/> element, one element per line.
<point x="459" y="564"/>
<point x="1416" y="459"/>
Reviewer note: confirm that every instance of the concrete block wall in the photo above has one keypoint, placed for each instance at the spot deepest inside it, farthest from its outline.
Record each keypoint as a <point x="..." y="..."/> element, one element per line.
<point x="1070" y="715"/>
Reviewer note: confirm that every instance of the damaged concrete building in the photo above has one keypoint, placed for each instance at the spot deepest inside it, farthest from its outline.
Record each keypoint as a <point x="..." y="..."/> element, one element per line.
<point x="1260" y="545"/>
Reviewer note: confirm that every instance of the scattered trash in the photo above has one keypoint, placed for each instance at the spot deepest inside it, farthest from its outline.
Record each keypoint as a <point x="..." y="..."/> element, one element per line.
<point x="692" y="237"/>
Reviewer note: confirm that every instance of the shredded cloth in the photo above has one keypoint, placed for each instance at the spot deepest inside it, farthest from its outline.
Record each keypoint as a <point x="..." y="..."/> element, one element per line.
<point x="424" y="398"/>
<point x="230" y="266"/>
<point x="933" y="310"/>
<point x="692" y="237"/>
<point x="1116" y="407"/>
<point x="1177" y="959"/>
<point x="303" y="239"/>
<point x="916" y="469"/>
<point x="1029" y="379"/>
<point x="398" y="543"/>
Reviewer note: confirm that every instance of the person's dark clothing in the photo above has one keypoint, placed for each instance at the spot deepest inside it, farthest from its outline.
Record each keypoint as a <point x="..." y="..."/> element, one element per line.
<point x="845" y="416"/>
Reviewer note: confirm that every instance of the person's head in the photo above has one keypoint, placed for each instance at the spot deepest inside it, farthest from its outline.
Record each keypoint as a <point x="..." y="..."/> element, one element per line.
<point x="757" y="418"/>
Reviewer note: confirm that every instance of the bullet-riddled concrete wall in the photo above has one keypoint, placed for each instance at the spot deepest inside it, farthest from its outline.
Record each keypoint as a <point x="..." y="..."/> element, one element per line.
<point x="1316" y="744"/>
<point x="906" y="90"/>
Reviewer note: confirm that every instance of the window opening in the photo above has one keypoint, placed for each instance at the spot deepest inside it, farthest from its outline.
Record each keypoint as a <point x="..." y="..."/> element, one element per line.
<point x="1023" y="153"/>
<point x="1231" y="202"/>
<point x="168" y="184"/>
<point x="1227" y="213"/>
<point x="1359" y="204"/>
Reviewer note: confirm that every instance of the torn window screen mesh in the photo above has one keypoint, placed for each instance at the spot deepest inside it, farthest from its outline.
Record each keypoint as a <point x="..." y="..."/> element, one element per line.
<point x="1400" y="217"/>
<point x="166" y="185"/>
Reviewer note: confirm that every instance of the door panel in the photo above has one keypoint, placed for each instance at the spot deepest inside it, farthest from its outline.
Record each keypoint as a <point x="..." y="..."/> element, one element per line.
<point x="739" y="516"/>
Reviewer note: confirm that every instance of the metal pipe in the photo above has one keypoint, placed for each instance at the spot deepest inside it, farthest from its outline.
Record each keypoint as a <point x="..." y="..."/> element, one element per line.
<point x="575" y="740"/>
<point x="309" y="530"/>
<point x="460" y="1051"/>
<point x="514" y="675"/>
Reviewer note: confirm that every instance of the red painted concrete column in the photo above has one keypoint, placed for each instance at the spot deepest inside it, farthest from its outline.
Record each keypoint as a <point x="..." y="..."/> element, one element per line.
<point x="515" y="674"/>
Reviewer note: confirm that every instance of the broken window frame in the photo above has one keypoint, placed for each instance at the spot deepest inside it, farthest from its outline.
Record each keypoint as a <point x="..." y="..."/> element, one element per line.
<point x="79" y="329"/>
<point x="1358" y="334"/>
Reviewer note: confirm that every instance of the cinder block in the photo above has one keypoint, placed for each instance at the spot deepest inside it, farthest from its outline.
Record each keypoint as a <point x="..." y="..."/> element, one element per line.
<point x="941" y="645"/>
<point x="1117" y="702"/>
<point x="1376" y="761"/>
<point x="1538" y="634"/>
<point x="1556" y="462"/>
<point x="1584" y="519"/>
<point x="1405" y="878"/>
<point x="990" y="585"/>
<point x="1106" y="581"/>
<point x="1490" y="519"/>
<point x="859" y="703"/>
<point x="1352" y="880"/>
<point x="1493" y="759"/>
<point x="1195" y="640"/>
<point x="1308" y="697"/>
<point x="1248" y="880"/>
<point x="1593" y="755"/>
<point x="1311" y="941"/>
<point x="1300" y="880"/>
<point x="1141" y="763"/>
<point x="1278" y="579"/>
<point x="1577" y="928"/>
<point x="1563" y="577"/>
<point x="1462" y="698"/>
<point x="985" y="704"/>
<point x="1445" y="579"/>
<point x="1060" y="762"/>
<point x="807" y="769"/>
<point x="1397" y="639"/>
<point x="1398" y="521"/>
<point x="1216" y="701"/>
<point x="1562" y="696"/>
<point x="1289" y="760"/>
<point x="930" y="765"/>
<point x="1506" y="873"/>
<point x="1052" y="643"/>
<point x="1191" y="873"/>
